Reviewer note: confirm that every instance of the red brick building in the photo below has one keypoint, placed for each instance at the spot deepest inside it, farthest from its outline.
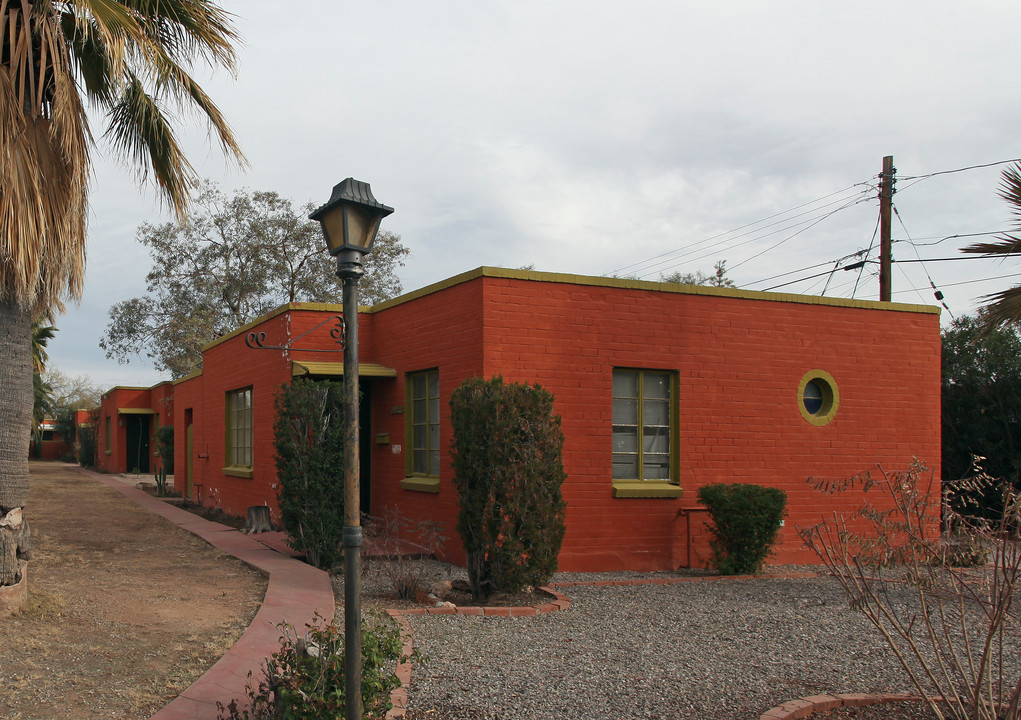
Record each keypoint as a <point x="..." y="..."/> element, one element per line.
<point x="661" y="389"/>
<point x="128" y="420"/>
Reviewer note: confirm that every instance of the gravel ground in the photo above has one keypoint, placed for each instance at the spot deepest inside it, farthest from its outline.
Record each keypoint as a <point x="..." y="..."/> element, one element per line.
<point x="725" y="649"/>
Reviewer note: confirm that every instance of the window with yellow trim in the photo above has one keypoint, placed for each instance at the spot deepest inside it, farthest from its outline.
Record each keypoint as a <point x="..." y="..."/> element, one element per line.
<point x="644" y="429"/>
<point x="239" y="428"/>
<point x="423" y="390"/>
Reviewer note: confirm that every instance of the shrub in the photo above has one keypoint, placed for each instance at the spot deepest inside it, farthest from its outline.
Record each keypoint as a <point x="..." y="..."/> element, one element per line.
<point x="744" y="522"/>
<point x="508" y="471"/>
<point x="309" y="443"/>
<point x="950" y="626"/>
<point x="407" y="576"/>
<point x="304" y="680"/>
<point x="165" y="440"/>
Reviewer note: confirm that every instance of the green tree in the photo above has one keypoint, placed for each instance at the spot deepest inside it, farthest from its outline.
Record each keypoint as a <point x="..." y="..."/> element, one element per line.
<point x="1005" y="306"/>
<point x="717" y="279"/>
<point x="981" y="397"/>
<point x="508" y="472"/>
<point x="131" y="61"/>
<point x="308" y="436"/>
<point x="238" y="257"/>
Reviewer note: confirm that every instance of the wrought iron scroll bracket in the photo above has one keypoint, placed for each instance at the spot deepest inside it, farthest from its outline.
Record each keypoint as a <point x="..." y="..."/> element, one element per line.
<point x="257" y="340"/>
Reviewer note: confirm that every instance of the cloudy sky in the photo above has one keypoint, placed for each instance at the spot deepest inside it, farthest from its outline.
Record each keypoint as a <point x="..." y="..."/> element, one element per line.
<point x="596" y="138"/>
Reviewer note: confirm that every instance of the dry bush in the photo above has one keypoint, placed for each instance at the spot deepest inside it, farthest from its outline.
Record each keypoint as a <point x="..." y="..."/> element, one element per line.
<point x="939" y="588"/>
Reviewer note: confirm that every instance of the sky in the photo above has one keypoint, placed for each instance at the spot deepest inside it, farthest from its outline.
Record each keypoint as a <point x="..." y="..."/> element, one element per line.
<point x="599" y="139"/>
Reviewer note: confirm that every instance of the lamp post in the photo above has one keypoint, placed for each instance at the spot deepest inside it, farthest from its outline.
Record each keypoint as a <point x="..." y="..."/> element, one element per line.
<point x="350" y="221"/>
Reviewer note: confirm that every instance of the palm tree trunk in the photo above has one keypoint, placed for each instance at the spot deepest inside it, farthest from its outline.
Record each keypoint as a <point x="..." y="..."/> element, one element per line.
<point x="15" y="432"/>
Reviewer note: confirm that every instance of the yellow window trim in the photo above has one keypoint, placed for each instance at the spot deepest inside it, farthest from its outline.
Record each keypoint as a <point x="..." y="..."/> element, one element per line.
<point x="830" y="400"/>
<point x="236" y="471"/>
<point x="646" y="489"/>
<point x="421" y="484"/>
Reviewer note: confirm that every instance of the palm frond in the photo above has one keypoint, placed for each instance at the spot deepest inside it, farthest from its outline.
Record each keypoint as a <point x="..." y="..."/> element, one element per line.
<point x="139" y="128"/>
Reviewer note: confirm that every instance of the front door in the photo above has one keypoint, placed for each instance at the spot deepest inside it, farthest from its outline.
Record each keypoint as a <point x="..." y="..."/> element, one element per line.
<point x="136" y="451"/>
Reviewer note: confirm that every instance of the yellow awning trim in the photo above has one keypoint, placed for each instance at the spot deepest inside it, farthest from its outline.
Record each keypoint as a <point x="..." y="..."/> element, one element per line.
<point x="336" y="369"/>
<point x="135" y="411"/>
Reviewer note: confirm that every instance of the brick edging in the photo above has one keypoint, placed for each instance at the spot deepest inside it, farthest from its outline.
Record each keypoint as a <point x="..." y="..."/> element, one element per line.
<point x="803" y="707"/>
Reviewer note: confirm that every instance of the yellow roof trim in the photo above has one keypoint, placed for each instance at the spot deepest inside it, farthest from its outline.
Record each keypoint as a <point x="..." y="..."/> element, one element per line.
<point x="189" y="376"/>
<point x="336" y="369"/>
<point x="135" y="411"/>
<point x="631" y="284"/>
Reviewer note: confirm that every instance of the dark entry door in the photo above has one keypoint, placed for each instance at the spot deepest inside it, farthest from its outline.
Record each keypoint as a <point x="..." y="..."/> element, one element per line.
<point x="137" y="446"/>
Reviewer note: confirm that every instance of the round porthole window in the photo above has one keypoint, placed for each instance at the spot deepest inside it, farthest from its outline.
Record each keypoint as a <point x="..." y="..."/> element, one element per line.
<point x="818" y="397"/>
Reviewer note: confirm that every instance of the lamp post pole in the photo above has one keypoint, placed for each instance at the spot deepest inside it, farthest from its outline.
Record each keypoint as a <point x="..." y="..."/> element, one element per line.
<point x="350" y="221"/>
<point x="350" y="272"/>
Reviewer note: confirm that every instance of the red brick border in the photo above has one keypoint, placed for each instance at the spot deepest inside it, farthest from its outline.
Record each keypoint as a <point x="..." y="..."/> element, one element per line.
<point x="803" y="707"/>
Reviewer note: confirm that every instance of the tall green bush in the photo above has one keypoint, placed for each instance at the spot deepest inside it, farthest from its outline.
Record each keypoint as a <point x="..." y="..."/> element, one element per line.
<point x="508" y="472"/>
<point x="165" y="440"/>
<point x="88" y="442"/>
<point x="308" y="436"/>
<point x="744" y="522"/>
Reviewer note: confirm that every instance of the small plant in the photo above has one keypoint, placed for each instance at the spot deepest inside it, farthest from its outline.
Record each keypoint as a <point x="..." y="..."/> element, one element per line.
<point x="407" y="577"/>
<point x="943" y="602"/>
<point x="160" y="476"/>
<point x="744" y="522"/>
<point x="304" y="680"/>
<point x="508" y="472"/>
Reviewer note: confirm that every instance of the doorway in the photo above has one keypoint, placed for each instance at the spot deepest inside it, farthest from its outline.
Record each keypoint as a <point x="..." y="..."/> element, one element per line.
<point x="136" y="450"/>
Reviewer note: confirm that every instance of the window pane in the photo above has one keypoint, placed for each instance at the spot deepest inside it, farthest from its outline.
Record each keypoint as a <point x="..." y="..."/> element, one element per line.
<point x="434" y="437"/>
<point x="656" y="412"/>
<point x="625" y="439"/>
<point x="434" y="462"/>
<point x="421" y="462"/>
<point x="656" y="440"/>
<point x="418" y="386"/>
<point x="419" y="412"/>
<point x="625" y="467"/>
<point x="434" y="384"/>
<point x="657" y="467"/>
<point x="625" y="411"/>
<point x="625" y="384"/>
<point x="657" y="385"/>
<point x="434" y="410"/>
<point x="419" y="440"/>
<point x="813" y="397"/>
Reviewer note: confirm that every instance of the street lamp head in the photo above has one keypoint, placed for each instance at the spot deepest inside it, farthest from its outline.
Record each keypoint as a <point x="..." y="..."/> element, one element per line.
<point x="351" y="218"/>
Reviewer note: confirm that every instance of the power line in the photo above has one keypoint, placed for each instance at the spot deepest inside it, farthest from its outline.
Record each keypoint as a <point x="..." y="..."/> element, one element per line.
<point x="741" y="227"/>
<point x="963" y="169"/>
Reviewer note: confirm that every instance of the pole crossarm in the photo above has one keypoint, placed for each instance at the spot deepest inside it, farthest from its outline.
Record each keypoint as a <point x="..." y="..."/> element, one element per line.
<point x="257" y="340"/>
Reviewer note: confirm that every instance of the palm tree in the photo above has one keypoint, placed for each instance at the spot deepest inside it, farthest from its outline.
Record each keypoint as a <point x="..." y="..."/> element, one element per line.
<point x="130" y="59"/>
<point x="1005" y="306"/>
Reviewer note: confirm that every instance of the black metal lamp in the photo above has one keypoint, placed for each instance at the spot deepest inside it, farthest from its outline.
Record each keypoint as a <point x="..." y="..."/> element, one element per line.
<point x="350" y="222"/>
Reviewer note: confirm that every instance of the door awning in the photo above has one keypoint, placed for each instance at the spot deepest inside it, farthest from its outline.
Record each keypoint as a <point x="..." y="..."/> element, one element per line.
<point x="336" y="369"/>
<point x="135" y="411"/>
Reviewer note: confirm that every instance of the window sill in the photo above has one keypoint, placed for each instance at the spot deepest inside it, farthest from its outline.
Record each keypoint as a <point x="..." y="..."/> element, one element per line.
<point x="241" y="472"/>
<point x="645" y="489"/>
<point x="421" y="484"/>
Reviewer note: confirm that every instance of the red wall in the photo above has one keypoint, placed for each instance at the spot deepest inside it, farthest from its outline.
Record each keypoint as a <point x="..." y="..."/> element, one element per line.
<point x="159" y="398"/>
<point x="739" y="362"/>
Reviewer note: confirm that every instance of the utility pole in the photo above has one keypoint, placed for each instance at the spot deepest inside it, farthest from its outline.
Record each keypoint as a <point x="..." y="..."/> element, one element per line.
<point x="886" y="183"/>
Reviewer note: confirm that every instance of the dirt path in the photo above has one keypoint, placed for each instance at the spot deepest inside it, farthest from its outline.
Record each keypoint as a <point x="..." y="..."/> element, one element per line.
<point x="125" y="609"/>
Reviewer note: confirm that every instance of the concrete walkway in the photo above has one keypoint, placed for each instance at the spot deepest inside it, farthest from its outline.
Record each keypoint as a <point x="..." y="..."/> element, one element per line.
<point x="295" y="594"/>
